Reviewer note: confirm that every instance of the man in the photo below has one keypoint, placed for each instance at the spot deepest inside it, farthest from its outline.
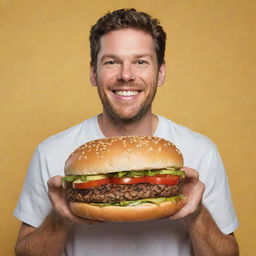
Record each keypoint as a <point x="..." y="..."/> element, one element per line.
<point x="127" y="66"/>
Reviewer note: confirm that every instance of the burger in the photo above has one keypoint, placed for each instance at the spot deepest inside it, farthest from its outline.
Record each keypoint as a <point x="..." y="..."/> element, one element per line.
<point x="124" y="179"/>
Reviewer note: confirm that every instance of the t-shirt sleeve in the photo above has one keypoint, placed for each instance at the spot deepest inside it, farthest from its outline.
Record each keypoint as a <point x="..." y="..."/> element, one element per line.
<point x="34" y="204"/>
<point x="217" y="198"/>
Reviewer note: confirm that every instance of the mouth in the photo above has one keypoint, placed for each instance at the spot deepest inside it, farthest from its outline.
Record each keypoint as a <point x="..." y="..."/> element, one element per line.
<point x="126" y="93"/>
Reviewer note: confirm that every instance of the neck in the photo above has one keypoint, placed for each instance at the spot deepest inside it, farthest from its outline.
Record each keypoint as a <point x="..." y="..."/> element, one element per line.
<point x="144" y="126"/>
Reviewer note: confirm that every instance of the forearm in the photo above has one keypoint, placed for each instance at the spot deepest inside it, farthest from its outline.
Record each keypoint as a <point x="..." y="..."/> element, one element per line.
<point x="49" y="239"/>
<point x="206" y="237"/>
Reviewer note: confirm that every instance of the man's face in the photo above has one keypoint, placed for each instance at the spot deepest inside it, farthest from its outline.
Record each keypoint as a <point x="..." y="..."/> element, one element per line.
<point x="127" y="73"/>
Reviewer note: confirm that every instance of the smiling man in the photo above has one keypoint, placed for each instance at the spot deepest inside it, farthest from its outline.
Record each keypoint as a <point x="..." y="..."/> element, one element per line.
<point x="127" y="74"/>
<point x="127" y="66"/>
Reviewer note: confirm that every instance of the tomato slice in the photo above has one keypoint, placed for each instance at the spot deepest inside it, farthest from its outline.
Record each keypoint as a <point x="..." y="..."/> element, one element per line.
<point x="90" y="184"/>
<point x="127" y="180"/>
<point x="164" y="179"/>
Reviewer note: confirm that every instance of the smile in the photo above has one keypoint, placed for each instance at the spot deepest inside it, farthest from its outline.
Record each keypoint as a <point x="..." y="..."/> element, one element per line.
<point x="126" y="93"/>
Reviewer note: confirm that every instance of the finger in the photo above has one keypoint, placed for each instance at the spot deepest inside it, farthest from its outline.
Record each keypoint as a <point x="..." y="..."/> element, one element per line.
<point x="55" y="182"/>
<point x="78" y="219"/>
<point x="87" y="221"/>
<point x="190" y="173"/>
<point x="65" y="216"/>
<point x="55" y="191"/>
<point x="184" y="213"/>
<point x="193" y="202"/>
<point x="61" y="205"/>
<point x="178" y="215"/>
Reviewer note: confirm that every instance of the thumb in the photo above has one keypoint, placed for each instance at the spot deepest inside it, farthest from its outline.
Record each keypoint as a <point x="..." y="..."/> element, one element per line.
<point x="54" y="183"/>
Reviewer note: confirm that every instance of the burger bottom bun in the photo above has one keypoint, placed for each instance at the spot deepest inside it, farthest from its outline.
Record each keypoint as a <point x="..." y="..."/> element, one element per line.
<point x="141" y="212"/>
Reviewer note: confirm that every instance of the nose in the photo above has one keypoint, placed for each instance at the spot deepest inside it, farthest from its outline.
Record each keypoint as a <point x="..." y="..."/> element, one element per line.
<point x="126" y="73"/>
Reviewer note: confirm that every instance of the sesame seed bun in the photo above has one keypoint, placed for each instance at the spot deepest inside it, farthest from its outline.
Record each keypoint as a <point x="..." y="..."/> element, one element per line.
<point x="137" y="213"/>
<point x="124" y="153"/>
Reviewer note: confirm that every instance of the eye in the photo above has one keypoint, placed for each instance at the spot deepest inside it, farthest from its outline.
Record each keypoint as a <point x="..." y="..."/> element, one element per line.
<point x="110" y="62"/>
<point x="141" y="62"/>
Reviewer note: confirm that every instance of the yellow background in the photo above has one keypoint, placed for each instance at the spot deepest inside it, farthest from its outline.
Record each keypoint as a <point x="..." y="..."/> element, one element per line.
<point x="210" y="86"/>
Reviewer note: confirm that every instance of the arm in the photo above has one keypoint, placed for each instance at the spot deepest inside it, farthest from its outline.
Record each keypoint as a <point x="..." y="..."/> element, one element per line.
<point x="50" y="238"/>
<point x="206" y="237"/>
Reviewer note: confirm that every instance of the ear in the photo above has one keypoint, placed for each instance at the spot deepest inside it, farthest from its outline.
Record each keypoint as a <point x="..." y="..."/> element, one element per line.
<point x="93" y="76"/>
<point x="161" y="75"/>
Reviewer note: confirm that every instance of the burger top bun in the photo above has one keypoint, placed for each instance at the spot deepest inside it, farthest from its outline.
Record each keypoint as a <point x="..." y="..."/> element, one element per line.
<point x="125" y="153"/>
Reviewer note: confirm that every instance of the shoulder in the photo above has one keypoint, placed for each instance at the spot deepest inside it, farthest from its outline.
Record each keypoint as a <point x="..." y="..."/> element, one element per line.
<point x="63" y="143"/>
<point x="196" y="148"/>
<point x="183" y="135"/>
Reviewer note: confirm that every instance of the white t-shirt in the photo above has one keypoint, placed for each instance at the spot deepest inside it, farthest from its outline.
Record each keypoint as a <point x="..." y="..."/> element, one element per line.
<point x="158" y="237"/>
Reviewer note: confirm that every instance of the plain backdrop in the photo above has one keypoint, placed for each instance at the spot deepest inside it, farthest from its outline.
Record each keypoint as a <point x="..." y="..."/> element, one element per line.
<point x="210" y="86"/>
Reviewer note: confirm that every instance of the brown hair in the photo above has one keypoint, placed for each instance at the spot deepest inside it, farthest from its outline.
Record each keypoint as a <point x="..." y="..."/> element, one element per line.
<point x="127" y="18"/>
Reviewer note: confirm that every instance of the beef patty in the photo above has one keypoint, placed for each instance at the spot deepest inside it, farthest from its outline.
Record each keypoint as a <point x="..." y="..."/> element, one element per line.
<point x="122" y="192"/>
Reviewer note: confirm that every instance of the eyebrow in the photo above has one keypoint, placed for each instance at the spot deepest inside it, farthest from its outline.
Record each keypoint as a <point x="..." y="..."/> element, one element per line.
<point x="112" y="56"/>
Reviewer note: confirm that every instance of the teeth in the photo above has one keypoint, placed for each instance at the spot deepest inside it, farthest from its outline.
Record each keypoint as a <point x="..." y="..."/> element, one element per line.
<point x="126" y="93"/>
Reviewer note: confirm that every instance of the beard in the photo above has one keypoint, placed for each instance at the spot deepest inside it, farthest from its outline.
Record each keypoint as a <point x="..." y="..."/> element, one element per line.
<point x="117" y="115"/>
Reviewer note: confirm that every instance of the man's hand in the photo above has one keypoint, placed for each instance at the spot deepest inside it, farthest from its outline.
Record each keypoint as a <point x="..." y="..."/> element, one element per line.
<point x="61" y="210"/>
<point x="57" y="224"/>
<point x="206" y="237"/>
<point x="193" y="191"/>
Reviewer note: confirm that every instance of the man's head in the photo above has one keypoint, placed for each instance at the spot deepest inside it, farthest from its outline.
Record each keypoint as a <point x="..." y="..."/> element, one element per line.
<point x="127" y="65"/>
<point x="127" y="18"/>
